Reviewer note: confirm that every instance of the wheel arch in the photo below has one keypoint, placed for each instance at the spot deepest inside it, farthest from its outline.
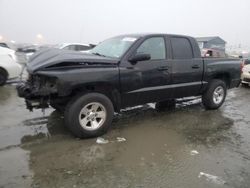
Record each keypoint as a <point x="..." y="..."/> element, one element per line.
<point x="5" y="71"/>
<point x="224" y="76"/>
<point x="208" y="95"/>
<point x="104" y="88"/>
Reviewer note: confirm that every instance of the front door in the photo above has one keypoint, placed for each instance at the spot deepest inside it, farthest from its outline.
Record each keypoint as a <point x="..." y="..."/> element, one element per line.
<point x="146" y="81"/>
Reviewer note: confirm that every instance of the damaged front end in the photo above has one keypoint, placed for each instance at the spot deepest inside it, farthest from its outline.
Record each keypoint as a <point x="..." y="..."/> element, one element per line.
<point x="37" y="91"/>
<point x="53" y="73"/>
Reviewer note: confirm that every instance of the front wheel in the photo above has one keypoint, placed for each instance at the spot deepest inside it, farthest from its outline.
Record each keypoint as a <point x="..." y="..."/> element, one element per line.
<point x="89" y="115"/>
<point x="215" y="95"/>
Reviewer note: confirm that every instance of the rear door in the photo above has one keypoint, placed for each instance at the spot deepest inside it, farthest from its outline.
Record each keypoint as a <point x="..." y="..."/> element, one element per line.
<point x="146" y="81"/>
<point x="187" y="70"/>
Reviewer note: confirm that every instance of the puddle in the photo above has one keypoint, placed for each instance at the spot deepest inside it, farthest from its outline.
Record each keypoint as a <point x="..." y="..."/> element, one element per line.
<point x="14" y="168"/>
<point x="212" y="178"/>
<point x="144" y="148"/>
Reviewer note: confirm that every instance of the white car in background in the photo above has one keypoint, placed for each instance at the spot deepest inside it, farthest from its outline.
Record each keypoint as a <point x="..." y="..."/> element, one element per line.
<point x="245" y="76"/>
<point x="9" y="68"/>
<point x="75" y="47"/>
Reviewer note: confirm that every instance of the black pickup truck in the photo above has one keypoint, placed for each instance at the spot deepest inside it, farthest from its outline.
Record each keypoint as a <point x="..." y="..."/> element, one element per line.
<point x="125" y="71"/>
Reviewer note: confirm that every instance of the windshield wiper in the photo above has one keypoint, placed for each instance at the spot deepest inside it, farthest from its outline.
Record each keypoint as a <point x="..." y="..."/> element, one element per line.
<point x="96" y="53"/>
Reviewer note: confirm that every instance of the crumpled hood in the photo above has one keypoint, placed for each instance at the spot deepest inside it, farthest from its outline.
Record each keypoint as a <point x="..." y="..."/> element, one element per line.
<point x="50" y="57"/>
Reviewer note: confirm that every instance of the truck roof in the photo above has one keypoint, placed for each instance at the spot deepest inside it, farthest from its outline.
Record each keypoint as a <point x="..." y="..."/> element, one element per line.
<point x="138" y="35"/>
<point x="193" y="42"/>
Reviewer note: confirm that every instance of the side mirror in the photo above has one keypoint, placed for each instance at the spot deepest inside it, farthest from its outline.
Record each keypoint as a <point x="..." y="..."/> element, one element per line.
<point x="139" y="57"/>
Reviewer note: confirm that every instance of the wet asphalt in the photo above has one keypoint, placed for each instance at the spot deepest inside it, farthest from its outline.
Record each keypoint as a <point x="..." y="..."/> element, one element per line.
<point x="184" y="147"/>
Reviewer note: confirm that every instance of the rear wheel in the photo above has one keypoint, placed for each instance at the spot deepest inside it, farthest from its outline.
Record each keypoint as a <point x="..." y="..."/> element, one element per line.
<point x="215" y="95"/>
<point x="89" y="115"/>
<point x="3" y="77"/>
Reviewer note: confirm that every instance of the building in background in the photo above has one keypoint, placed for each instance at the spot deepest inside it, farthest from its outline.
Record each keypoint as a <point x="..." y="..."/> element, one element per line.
<point x="215" y="42"/>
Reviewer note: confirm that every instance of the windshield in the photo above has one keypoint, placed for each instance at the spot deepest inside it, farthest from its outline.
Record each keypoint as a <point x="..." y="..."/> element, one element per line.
<point x="114" y="47"/>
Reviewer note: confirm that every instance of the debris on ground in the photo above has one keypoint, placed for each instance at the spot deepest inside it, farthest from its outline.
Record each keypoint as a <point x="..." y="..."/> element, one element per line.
<point x="101" y="140"/>
<point x="120" y="139"/>
<point x="194" y="152"/>
<point x="69" y="172"/>
<point x="212" y="178"/>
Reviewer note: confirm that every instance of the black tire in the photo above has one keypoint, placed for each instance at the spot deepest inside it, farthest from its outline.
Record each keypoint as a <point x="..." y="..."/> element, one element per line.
<point x="165" y="105"/>
<point x="3" y="77"/>
<point x="74" y="107"/>
<point x="208" y="97"/>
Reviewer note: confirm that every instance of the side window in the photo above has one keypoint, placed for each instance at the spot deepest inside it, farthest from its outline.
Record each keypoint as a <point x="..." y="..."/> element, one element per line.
<point x="72" y="47"/>
<point x="66" y="48"/>
<point x="181" y="48"/>
<point x="82" y="48"/>
<point x="77" y="48"/>
<point x="154" y="46"/>
<point x="69" y="47"/>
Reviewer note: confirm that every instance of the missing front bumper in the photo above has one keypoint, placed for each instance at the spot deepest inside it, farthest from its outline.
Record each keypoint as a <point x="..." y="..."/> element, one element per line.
<point x="23" y="90"/>
<point x="32" y="101"/>
<point x="36" y="104"/>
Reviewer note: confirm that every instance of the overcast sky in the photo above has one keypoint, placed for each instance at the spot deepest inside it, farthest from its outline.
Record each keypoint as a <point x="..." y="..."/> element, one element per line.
<point x="91" y="21"/>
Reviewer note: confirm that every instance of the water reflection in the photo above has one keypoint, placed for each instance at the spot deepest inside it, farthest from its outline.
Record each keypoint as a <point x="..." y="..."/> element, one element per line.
<point x="45" y="127"/>
<point x="158" y="146"/>
<point x="159" y="141"/>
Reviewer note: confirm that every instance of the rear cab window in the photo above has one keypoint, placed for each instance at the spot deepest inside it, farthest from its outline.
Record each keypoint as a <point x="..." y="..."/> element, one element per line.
<point x="181" y="48"/>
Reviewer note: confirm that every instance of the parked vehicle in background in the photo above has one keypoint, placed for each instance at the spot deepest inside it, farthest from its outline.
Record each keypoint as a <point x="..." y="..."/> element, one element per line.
<point x="75" y="46"/>
<point x="25" y="51"/>
<point x="9" y="68"/>
<point x="246" y="61"/>
<point x="212" y="53"/>
<point x="245" y="76"/>
<point x="2" y="44"/>
<point x="122" y="72"/>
